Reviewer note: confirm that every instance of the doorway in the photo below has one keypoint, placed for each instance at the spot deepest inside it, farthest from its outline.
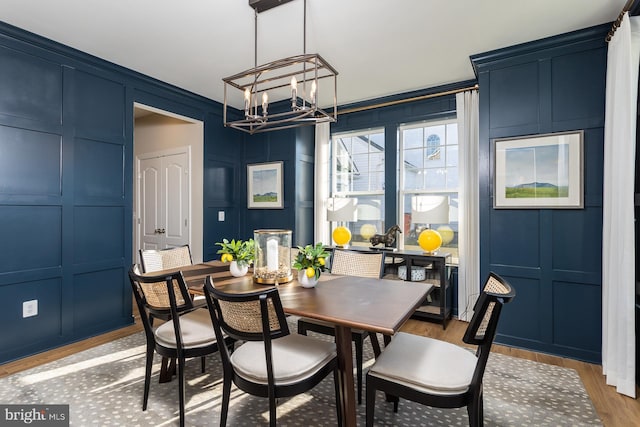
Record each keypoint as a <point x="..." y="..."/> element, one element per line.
<point x="168" y="180"/>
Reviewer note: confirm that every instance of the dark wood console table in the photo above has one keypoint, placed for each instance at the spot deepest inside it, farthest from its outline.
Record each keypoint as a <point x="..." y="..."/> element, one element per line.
<point x="437" y="306"/>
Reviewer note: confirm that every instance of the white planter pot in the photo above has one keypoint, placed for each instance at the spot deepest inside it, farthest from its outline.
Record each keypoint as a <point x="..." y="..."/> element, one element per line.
<point x="305" y="281"/>
<point x="236" y="270"/>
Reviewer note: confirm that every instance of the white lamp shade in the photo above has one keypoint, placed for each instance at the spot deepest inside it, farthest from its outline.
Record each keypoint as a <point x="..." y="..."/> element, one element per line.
<point x="430" y="209"/>
<point x="342" y="209"/>
<point x="369" y="210"/>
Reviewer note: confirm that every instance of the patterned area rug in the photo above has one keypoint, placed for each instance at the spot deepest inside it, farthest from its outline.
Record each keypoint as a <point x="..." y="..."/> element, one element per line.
<point x="104" y="387"/>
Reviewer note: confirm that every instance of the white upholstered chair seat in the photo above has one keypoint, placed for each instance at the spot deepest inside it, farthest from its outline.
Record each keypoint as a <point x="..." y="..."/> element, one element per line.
<point x="196" y="329"/>
<point x="295" y="357"/>
<point x="426" y="364"/>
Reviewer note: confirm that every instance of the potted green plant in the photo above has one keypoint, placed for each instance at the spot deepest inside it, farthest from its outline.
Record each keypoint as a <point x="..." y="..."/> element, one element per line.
<point x="310" y="263"/>
<point x="239" y="253"/>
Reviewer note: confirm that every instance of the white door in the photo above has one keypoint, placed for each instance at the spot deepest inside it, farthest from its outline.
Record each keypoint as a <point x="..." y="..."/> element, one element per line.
<point x="163" y="184"/>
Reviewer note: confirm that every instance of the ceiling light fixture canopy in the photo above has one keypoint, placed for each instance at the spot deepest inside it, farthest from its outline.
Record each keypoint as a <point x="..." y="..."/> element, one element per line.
<point x="296" y="78"/>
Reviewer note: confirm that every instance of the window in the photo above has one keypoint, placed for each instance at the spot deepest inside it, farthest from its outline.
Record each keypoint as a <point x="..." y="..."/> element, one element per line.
<point x="428" y="182"/>
<point x="357" y="170"/>
<point x="427" y="175"/>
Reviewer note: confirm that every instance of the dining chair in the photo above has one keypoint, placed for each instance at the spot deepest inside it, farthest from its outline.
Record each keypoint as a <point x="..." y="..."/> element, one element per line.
<point x="272" y="362"/>
<point x="351" y="263"/>
<point x="189" y="332"/>
<point x="437" y="373"/>
<point x="152" y="260"/>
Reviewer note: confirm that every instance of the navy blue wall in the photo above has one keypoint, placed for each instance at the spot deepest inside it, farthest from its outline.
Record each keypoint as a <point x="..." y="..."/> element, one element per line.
<point x="295" y="148"/>
<point x="66" y="187"/>
<point x="552" y="257"/>
<point x="225" y="186"/>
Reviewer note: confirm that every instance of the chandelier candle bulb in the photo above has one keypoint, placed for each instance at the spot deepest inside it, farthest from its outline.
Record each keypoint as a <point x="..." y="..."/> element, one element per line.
<point x="314" y="87"/>
<point x="265" y="103"/>
<point x="294" y="91"/>
<point x="247" y="101"/>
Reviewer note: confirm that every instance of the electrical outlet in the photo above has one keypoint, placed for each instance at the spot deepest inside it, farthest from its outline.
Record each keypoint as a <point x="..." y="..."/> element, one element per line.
<point x="30" y="308"/>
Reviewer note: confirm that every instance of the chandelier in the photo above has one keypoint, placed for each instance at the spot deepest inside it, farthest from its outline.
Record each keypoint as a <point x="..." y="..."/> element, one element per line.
<point x="293" y="82"/>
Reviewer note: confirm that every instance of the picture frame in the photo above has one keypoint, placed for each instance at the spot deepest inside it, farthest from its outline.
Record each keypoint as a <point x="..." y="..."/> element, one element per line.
<point x="265" y="186"/>
<point x="539" y="171"/>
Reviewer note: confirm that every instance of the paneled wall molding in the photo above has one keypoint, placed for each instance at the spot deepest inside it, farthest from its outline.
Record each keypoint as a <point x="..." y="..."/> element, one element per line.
<point x="66" y="198"/>
<point x="551" y="256"/>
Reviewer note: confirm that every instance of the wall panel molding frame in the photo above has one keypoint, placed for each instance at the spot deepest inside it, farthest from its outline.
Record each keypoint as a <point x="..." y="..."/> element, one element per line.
<point x="552" y="257"/>
<point x="66" y="198"/>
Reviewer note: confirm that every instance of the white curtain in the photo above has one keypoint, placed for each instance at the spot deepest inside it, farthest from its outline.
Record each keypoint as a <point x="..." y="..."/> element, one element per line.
<point x="468" y="210"/>
<point x="321" y="178"/>
<point x="618" y="253"/>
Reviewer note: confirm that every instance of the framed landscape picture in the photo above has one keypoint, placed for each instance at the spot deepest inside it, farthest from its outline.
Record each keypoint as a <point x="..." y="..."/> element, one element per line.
<point x="540" y="171"/>
<point x="264" y="186"/>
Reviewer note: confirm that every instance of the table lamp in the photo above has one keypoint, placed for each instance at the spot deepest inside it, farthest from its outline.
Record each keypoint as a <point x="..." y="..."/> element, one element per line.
<point x="342" y="210"/>
<point x="430" y="209"/>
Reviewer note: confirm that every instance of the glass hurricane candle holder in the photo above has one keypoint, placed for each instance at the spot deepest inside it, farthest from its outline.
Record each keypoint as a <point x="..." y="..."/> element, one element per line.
<point x="272" y="262"/>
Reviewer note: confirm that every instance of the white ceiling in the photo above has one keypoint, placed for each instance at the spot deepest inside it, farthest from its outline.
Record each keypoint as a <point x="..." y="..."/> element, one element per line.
<point x="379" y="47"/>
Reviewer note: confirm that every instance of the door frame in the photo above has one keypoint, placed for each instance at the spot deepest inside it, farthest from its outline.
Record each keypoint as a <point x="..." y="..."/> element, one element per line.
<point x="196" y="183"/>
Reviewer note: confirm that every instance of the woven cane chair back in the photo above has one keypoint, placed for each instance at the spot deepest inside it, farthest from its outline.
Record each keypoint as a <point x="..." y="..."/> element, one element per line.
<point x="155" y="291"/>
<point x="357" y="263"/>
<point x="156" y="260"/>
<point x="247" y="317"/>
<point x="495" y="293"/>
<point x="242" y="316"/>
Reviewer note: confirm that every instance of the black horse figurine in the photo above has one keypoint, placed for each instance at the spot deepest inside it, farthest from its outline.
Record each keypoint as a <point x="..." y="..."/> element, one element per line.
<point x="387" y="238"/>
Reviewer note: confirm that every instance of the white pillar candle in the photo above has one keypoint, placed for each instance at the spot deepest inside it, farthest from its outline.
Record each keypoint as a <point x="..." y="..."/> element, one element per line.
<point x="272" y="255"/>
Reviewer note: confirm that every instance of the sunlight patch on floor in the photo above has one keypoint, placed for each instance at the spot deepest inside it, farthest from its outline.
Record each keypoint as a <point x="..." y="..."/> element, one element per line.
<point x="133" y="376"/>
<point x="87" y="364"/>
<point x="291" y="405"/>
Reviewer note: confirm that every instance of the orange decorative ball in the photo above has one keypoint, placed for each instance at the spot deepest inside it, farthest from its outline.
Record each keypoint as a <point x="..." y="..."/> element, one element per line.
<point x="430" y="240"/>
<point x="341" y="235"/>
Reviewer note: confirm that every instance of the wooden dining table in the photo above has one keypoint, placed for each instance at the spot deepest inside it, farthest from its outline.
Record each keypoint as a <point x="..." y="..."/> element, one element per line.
<point x="375" y="305"/>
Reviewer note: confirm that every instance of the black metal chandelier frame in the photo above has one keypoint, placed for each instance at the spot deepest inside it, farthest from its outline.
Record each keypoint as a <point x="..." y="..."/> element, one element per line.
<point x="302" y="74"/>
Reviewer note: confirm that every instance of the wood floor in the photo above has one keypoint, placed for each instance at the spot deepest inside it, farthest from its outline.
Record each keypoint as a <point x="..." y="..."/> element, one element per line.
<point x="614" y="409"/>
